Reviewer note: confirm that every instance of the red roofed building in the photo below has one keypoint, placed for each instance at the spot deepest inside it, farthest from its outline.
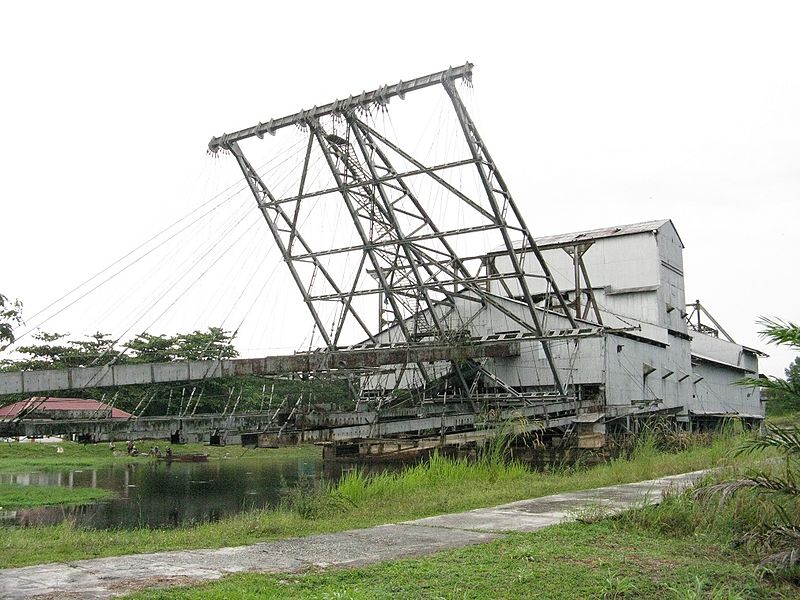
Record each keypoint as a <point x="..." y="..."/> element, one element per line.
<point x="43" y="407"/>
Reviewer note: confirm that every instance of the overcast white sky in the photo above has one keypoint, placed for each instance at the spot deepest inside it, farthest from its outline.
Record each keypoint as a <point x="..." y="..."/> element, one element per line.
<point x="598" y="113"/>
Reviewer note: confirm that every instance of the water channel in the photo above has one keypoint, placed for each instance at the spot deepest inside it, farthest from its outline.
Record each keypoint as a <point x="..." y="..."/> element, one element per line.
<point x="153" y="493"/>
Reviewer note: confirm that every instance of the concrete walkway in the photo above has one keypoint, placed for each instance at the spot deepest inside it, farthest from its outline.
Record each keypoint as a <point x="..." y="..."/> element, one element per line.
<point x="107" y="577"/>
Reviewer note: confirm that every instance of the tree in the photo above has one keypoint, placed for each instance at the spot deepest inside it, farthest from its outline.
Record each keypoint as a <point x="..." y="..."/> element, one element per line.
<point x="10" y="317"/>
<point x="782" y="486"/>
<point x="146" y="347"/>
<point x="54" y="351"/>
<point x="793" y="372"/>
<point x="214" y="344"/>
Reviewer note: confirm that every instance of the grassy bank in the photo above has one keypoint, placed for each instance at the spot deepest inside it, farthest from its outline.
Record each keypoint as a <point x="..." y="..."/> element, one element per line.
<point x="18" y="457"/>
<point x="437" y="487"/>
<point x="28" y="496"/>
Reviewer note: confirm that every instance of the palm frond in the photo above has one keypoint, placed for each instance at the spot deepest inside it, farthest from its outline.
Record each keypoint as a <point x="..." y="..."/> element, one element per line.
<point x="777" y="331"/>
<point x="724" y="490"/>
<point x="781" y="561"/>
<point x="787" y="440"/>
<point x="780" y="387"/>
<point x="776" y="485"/>
<point x="779" y="538"/>
<point x="760" y="483"/>
<point x="782" y="541"/>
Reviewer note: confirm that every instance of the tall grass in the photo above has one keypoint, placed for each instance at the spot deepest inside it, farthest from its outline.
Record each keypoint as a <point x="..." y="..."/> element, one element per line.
<point x="438" y="472"/>
<point x="433" y="476"/>
<point x="494" y="474"/>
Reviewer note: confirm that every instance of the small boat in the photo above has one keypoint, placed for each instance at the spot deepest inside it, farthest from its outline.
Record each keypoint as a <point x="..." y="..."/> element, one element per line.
<point x="191" y="457"/>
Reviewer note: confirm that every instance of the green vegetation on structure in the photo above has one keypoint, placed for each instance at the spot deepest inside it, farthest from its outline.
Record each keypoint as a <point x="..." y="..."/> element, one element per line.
<point x="27" y="496"/>
<point x="437" y="487"/>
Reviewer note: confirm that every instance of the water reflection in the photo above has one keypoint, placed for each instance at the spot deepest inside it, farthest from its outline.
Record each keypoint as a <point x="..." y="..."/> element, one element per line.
<point x="159" y="494"/>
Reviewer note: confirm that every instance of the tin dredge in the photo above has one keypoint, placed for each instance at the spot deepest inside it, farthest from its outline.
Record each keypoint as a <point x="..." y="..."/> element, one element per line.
<point x="478" y="322"/>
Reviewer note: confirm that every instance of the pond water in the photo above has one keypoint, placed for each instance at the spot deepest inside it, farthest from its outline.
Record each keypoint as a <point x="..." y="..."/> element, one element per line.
<point x="158" y="494"/>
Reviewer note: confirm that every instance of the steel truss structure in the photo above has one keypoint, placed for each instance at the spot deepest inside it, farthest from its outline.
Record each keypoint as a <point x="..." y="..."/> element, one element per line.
<point x="694" y="319"/>
<point x="414" y="267"/>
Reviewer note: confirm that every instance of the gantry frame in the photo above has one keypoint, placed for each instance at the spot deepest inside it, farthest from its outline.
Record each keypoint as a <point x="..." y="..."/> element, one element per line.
<point x="418" y="272"/>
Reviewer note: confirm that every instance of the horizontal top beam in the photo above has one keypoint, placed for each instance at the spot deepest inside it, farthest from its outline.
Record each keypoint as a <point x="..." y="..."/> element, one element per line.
<point x="381" y="95"/>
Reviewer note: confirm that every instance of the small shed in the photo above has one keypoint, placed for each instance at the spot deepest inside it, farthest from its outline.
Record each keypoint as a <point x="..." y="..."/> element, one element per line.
<point x="45" y="407"/>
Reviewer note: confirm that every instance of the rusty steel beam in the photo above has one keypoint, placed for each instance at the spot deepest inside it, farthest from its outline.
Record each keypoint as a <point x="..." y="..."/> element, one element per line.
<point x="21" y="382"/>
<point x="161" y="427"/>
<point x="369" y="357"/>
<point x="341" y="426"/>
<point x="542" y="416"/>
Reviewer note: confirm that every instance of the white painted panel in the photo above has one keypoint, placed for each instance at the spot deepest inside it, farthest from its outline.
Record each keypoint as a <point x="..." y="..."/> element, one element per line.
<point x="717" y="392"/>
<point x="630" y="261"/>
<point x="722" y="350"/>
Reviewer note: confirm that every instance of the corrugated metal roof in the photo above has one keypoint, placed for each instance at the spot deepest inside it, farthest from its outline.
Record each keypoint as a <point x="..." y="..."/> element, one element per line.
<point x="756" y="352"/>
<point x="605" y="232"/>
<point x="722" y="363"/>
<point x="596" y="234"/>
<point x="43" y="403"/>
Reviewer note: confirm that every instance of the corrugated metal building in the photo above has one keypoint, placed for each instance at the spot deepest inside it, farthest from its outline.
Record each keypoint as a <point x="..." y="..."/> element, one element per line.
<point x="45" y="407"/>
<point x="648" y="359"/>
<point x="636" y="276"/>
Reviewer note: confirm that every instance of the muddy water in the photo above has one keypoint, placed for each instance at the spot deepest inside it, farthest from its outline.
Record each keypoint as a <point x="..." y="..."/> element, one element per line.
<point x="157" y="494"/>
